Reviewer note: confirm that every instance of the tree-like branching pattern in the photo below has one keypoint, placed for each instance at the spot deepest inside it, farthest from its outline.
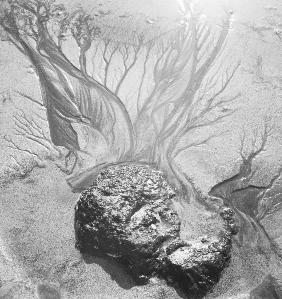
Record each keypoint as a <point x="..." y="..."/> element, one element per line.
<point x="252" y="202"/>
<point x="178" y="87"/>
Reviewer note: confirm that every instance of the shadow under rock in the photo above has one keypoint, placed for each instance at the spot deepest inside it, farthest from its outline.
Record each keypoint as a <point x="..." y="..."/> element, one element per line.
<point x="115" y="269"/>
<point x="119" y="273"/>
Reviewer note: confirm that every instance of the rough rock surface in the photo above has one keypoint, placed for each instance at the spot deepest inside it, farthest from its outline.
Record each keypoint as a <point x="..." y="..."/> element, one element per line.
<point x="128" y="214"/>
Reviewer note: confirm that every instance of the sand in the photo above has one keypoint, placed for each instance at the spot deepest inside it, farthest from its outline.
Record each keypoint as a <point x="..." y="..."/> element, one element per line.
<point x="37" y="225"/>
<point x="37" y="246"/>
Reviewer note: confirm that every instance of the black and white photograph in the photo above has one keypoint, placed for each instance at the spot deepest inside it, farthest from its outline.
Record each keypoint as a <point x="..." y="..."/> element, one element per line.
<point x="140" y="149"/>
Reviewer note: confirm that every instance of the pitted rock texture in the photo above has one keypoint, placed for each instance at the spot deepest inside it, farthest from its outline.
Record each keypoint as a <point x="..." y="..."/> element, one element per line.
<point x="128" y="214"/>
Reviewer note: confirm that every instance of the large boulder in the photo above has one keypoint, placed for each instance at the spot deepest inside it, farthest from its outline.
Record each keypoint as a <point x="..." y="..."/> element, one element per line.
<point x="129" y="214"/>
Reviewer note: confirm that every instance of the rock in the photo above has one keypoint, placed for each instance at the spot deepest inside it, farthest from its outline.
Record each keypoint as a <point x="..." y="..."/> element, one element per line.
<point x="128" y="214"/>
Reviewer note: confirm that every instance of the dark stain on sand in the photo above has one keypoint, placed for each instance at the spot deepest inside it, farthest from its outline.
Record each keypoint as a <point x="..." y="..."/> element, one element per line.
<point x="46" y="291"/>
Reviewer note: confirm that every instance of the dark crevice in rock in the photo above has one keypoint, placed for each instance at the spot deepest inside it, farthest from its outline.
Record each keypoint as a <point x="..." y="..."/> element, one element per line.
<point x="135" y="210"/>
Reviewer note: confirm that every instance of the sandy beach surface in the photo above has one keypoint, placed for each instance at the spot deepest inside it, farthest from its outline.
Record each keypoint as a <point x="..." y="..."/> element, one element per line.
<point x="38" y="258"/>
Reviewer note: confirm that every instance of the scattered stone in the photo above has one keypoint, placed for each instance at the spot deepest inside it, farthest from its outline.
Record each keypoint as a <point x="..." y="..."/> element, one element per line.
<point x="46" y="291"/>
<point x="128" y="214"/>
